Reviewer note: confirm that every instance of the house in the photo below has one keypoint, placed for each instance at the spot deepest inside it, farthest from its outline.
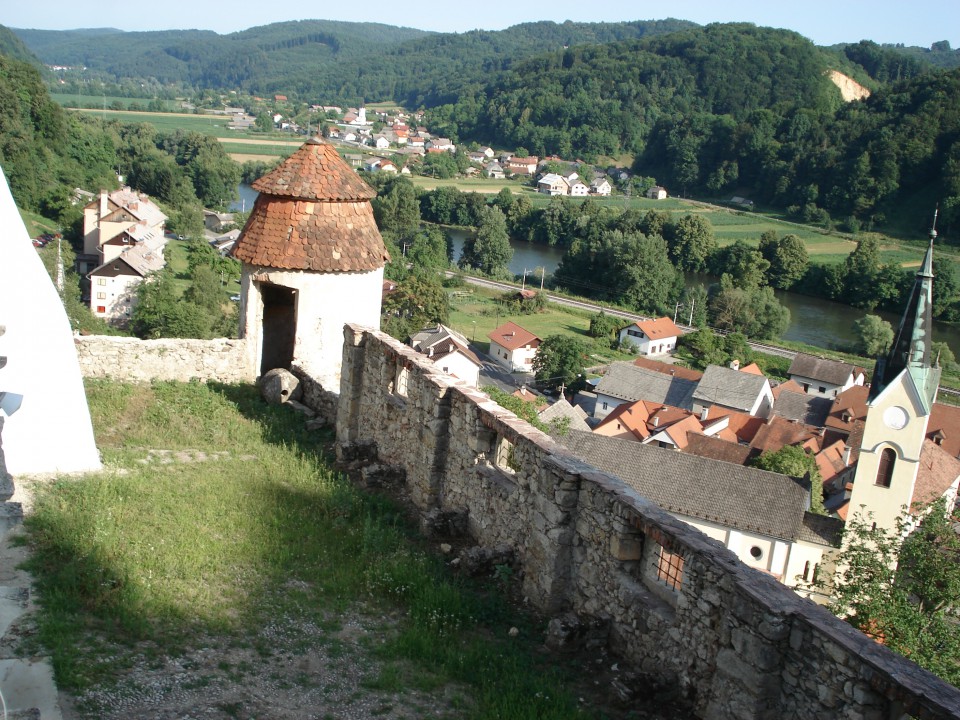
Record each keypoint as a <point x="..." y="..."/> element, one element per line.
<point x="578" y="189"/>
<point x="487" y="152"/>
<point x="668" y="368"/>
<point x="760" y="516"/>
<point x="627" y="383"/>
<point x="223" y="244"/>
<point x="823" y="377"/>
<point x="119" y="211"/>
<point x="440" y="144"/>
<point x="657" y="193"/>
<point x="332" y="132"/>
<point x="513" y="347"/>
<point x="726" y="388"/>
<point x="215" y="221"/>
<point x="564" y="417"/>
<point x="523" y="165"/>
<point x="494" y="170"/>
<point x="600" y="186"/>
<point x="651" y="337"/>
<point x="113" y="285"/>
<point x="449" y="351"/>
<point x="553" y="184"/>
<point x="477" y="157"/>
<point x="381" y="141"/>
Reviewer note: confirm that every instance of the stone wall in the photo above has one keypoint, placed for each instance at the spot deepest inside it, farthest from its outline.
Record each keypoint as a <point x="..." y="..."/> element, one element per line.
<point x="674" y="603"/>
<point x="132" y="360"/>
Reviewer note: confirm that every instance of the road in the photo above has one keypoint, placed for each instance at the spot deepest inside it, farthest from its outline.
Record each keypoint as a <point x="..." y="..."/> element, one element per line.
<point x="949" y="395"/>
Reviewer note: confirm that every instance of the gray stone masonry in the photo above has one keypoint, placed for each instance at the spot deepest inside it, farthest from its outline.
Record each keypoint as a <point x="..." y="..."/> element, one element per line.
<point x="134" y="360"/>
<point x="734" y="641"/>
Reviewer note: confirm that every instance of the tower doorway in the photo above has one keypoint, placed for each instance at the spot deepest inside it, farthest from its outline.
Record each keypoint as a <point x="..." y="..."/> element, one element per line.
<point x="279" y="331"/>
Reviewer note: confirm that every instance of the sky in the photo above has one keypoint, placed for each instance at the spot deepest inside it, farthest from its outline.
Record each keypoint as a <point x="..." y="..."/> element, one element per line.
<point x="825" y="22"/>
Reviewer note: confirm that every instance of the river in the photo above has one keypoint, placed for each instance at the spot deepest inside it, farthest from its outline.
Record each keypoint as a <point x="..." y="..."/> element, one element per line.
<point x="815" y="321"/>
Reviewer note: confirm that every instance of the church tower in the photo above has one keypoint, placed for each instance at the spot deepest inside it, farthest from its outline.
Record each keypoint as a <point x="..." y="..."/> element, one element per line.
<point x="901" y="399"/>
<point x="312" y="260"/>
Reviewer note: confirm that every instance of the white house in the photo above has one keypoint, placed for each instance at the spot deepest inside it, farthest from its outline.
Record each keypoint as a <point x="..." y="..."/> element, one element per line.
<point x="113" y="285"/>
<point x="657" y="193"/>
<point x="513" y="347"/>
<point x="823" y="377"/>
<point x="651" y="337"/>
<point x="624" y="382"/>
<point x="449" y="351"/>
<point x="600" y="186"/>
<point x="733" y="390"/>
<point x="381" y="142"/>
<point x="578" y="189"/>
<point x="553" y="184"/>
<point x="494" y="170"/>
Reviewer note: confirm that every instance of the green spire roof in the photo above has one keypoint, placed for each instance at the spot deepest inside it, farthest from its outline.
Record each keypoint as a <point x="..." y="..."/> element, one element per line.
<point x="911" y="345"/>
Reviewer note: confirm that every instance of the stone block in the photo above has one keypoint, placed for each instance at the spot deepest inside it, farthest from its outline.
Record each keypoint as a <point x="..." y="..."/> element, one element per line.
<point x="626" y="548"/>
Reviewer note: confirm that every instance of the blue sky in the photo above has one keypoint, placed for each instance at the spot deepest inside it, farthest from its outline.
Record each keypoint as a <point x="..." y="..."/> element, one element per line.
<point x="917" y="22"/>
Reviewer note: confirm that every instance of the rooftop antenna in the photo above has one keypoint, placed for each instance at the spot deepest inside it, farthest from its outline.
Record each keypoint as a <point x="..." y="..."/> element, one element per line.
<point x="933" y="228"/>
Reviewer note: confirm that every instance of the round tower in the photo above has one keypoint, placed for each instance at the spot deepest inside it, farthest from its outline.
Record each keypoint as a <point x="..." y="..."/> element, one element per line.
<point x="312" y="261"/>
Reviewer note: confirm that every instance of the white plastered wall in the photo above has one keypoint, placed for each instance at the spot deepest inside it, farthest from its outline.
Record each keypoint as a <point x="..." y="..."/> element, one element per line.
<point x="325" y="303"/>
<point x="51" y="431"/>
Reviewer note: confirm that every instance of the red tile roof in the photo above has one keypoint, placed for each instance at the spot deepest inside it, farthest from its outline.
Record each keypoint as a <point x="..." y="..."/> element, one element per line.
<point x="944" y="428"/>
<point x="313" y="213"/>
<point x="659" y="328"/>
<point x="511" y="336"/>
<point x="668" y="369"/>
<point x="937" y="472"/>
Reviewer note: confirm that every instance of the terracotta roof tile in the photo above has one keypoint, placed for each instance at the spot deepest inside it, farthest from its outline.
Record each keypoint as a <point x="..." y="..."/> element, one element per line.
<point x="313" y="213"/>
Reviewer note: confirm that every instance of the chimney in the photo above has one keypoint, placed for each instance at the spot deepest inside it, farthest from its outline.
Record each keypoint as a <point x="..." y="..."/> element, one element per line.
<point x="734" y="364"/>
<point x="656" y="421"/>
<point x="103" y="203"/>
<point x="847" y="449"/>
<point x="703" y="413"/>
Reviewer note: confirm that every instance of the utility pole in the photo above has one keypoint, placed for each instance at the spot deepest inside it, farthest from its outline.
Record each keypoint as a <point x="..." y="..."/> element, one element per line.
<point x="675" y="311"/>
<point x="693" y="304"/>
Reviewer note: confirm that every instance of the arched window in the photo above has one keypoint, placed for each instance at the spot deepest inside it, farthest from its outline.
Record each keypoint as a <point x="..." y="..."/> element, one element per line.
<point x="885" y="467"/>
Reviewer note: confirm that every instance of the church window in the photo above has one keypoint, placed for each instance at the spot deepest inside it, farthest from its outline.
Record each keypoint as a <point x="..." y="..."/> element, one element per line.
<point x="885" y="467"/>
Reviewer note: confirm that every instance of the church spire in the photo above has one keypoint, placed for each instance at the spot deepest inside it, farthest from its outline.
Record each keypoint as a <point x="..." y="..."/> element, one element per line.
<point x="911" y="344"/>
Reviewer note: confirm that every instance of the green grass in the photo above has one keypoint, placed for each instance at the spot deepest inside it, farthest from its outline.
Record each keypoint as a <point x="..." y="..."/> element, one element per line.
<point x="475" y="314"/>
<point x="253" y="149"/>
<point x="168" y="122"/>
<point x="37" y="224"/>
<point x="168" y="552"/>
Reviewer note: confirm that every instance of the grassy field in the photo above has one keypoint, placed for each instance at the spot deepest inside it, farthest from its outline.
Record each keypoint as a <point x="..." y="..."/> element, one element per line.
<point x="220" y="524"/>
<point x="37" y="224"/>
<point x="476" y="312"/>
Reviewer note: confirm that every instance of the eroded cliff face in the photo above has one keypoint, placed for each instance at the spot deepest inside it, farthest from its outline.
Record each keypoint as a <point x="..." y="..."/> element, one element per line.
<point x="850" y="89"/>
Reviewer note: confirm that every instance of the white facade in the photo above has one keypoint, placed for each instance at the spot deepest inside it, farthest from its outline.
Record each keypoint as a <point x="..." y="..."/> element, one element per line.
<point x="461" y="367"/>
<point x="50" y="431"/>
<point x="644" y="345"/>
<point x="824" y="388"/>
<point x="113" y="297"/>
<point x="324" y="303"/>
<point x="518" y="360"/>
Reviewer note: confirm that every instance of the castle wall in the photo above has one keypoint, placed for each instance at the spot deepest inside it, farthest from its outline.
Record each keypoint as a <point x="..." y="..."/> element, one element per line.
<point x="676" y="604"/>
<point x="129" y="359"/>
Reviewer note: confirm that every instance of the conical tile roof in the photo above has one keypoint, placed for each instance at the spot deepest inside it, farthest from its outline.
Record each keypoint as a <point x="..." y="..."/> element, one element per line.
<point x="313" y="213"/>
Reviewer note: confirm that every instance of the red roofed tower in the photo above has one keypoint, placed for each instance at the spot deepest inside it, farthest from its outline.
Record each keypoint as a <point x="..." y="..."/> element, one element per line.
<point x="312" y="261"/>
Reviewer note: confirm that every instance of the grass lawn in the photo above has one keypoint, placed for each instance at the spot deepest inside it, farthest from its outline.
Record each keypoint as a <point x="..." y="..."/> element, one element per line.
<point x="37" y="224"/>
<point x="219" y="523"/>
<point x="98" y="101"/>
<point x="475" y="314"/>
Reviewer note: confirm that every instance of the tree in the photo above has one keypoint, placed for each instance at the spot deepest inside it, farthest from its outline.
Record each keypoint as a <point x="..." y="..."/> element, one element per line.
<point x="603" y="326"/>
<point x="641" y="274"/>
<point x="488" y="250"/>
<point x="691" y="243"/>
<point x="746" y="266"/>
<point x="796" y="462"/>
<point x="860" y="274"/>
<point x="787" y="256"/>
<point x="873" y="335"/>
<point x="160" y="313"/>
<point x="904" y="593"/>
<point x="560" y="360"/>
<point x="396" y="208"/>
<point x="945" y="287"/>
<point x="430" y="250"/>
<point x="756" y="313"/>
<point x="417" y="302"/>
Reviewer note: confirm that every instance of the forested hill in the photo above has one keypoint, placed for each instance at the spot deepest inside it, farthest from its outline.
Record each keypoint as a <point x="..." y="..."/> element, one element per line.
<point x="606" y="99"/>
<point x="269" y="58"/>
<point x="13" y="47"/>
<point x="318" y="60"/>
